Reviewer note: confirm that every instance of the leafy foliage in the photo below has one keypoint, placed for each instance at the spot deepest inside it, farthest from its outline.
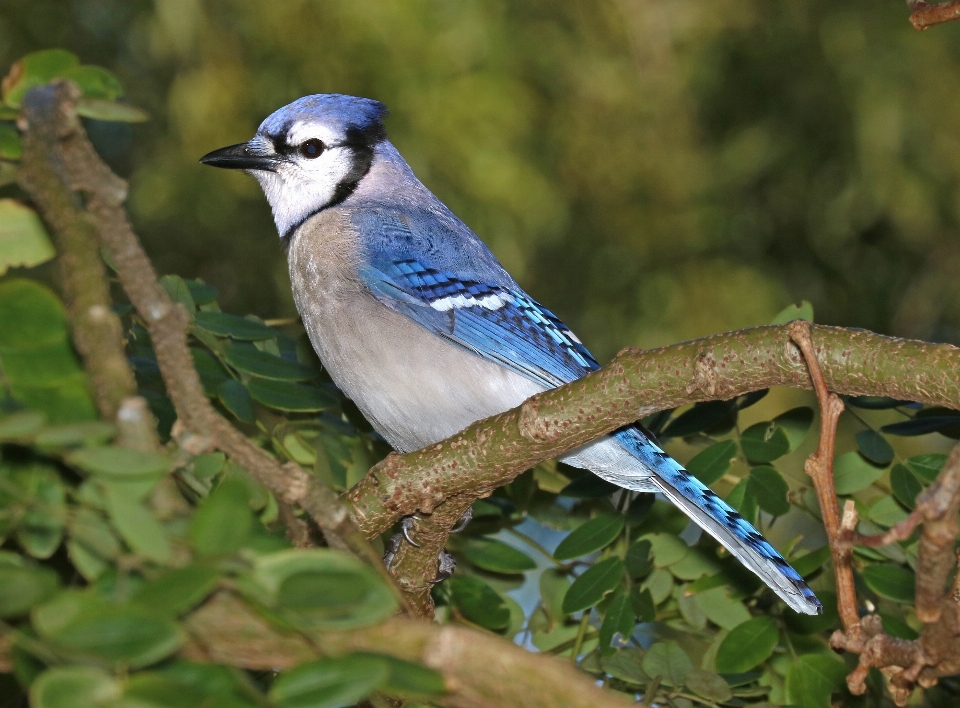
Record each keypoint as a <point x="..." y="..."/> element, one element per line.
<point x="100" y="570"/>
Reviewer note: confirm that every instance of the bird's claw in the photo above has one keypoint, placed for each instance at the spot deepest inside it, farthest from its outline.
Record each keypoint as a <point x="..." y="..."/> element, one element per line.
<point x="393" y="545"/>
<point x="445" y="567"/>
<point x="406" y="527"/>
<point x="464" y="520"/>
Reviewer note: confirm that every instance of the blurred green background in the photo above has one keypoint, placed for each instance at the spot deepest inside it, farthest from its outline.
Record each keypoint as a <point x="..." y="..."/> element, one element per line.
<point x="651" y="171"/>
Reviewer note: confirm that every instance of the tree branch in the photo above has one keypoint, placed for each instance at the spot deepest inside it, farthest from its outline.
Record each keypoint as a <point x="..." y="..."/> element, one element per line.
<point x="481" y="670"/>
<point x="492" y="452"/>
<point x="924" y="15"/>
<point x="97" y="331"/>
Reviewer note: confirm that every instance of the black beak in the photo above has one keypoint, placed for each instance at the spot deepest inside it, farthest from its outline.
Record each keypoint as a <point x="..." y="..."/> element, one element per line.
<point x="239" y="157"/>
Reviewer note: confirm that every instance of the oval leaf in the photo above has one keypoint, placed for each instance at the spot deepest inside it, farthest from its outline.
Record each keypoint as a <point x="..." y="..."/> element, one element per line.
<point x="329" y="682"/>
<point x="120" y="463"/>
<point x="812" y="678"/>
<point x="747" y="645"/>
<point x="709" y="685"/>
<point x="618" y="622"/>
<point x="712" y="463"/>
<point x="497" y="556"/>
<point x="595" y="534"/>
<point x="250" y="360"/>
<point x="764" y="442"/>
<point x="595" y="582"/>
<point x="290" y="396"/>
<point x="796" y="424"/>
<point x="770" y="490"/>
<point x="22" y="587"/>
<point x="905" y="485"/>
<point x="875" y="447"/>
<point x="668" y="661"/>
<point x="23" y="239"/>
<point x="853" y="473"/>
<point x="893" y="582"/>
<point x="479" y="603"/>
<point x="227" y="325"/>
<point x="73" y="687"/>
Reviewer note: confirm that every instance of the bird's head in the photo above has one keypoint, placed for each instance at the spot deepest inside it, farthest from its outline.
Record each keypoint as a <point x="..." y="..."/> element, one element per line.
<point x="309" y="155"/>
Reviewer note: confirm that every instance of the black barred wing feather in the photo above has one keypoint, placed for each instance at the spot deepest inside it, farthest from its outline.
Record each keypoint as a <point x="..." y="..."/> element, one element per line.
<point x="495" y="322"/>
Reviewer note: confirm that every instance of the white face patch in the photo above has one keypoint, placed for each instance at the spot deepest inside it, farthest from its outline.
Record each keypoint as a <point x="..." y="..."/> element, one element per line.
<point x="301" y="185"/>
<point x="489" y="302"/>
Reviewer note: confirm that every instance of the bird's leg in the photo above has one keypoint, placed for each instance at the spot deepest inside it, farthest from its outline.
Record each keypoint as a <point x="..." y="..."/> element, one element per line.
<point x="464" y="520"/>
<point x="393" y="546"/>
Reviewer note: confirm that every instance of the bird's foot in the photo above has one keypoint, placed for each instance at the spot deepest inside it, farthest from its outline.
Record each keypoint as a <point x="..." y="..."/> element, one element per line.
<point x="464" y="520"/>
<point x="406" y="526"/>
<point x="445" y="567"/>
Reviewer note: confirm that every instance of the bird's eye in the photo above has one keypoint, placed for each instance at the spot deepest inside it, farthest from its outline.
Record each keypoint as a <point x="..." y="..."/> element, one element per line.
<point x="312" y="148"/>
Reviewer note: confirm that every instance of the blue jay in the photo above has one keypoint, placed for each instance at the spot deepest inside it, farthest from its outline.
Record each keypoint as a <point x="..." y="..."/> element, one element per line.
<point x="419" y="324"/>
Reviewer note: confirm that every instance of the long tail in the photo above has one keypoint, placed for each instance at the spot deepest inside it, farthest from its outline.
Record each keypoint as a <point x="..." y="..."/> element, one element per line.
<point x="662" y="473"/>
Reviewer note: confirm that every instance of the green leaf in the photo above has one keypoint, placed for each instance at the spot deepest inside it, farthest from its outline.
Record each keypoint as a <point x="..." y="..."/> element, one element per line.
<point x="764" y="442"/>
<point x="21" y="426"/>
<point x="803" y="311"/>
<point x="226" y="325"/>
<point x="619" y="619"/>
<point x="236" y="398"/>
<point x="11" y="147"/>
<point x="815" y="624"/>
<point x="329" y="682"/>
<point x="875" y="447"/>
<point x="202" y="293"/>
<point x="40" y="528"/>
<point x="625" y="666"/>
<point x="702" y="416"/>
<point x="479" y="603"/>
<point x="638" y="561"/>
<point x="905" y="485"/>
<point x="595" y="582"/>
<point x="770" y="489"/>
<point x="36" y="357"/>
<point x="641" y="600"/>
<point x="92" y="432"/>
<point x="136" y="524"/>
<point x="408" y="679"/>
<point x="178" y="291"/>
<point x="928" y="466"/>
<point x="747" y="645"/>
<point x="22" y="587"/>
<point x="177" y="590"/>
<point x="23" y="239"/>
<point x="668" y="661"/>
<point x="223" y="520"/>
<point x="595" y="534"/>
<point x="796" y="424"/>
<point x="666" y="549"/>
<point x="122" y="636"/>
<point x="111" y="111"/>
<point x="553" y="588"/>
<point x="923" y="425"/>
<point x="712" y="463"/>
<point x="659" y="584"/>
<point x="853" y="473"/>
<point x="320" y="588"/>
<point x="742" y="499"/>
<point x="874" y="402"/>
<point x="212" y="373"/>
<point x="33" y="70"/>
<point x="290" y="396"/>
<point x="721" y="609"/>
<point x="250" y="360"/>
<point x="709" y="685"/>
<point x="811" y="562"/>
<point x="94" y="82"/>
<point x="497" y="556"/>
<point x="695" y="564"/>
<point x="893" y="582"/>
<point x="812" y="678"/>
<point x="886" y="511"/>
<point x="73" y="687"/>
<point x="120" y="463"/>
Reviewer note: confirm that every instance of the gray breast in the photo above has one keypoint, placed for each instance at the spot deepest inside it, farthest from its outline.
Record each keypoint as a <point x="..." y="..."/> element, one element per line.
<point x="413" y="387"/>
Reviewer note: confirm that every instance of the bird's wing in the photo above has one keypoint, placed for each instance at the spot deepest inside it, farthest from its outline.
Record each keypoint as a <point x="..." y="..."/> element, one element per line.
<point x="496" y="322"/>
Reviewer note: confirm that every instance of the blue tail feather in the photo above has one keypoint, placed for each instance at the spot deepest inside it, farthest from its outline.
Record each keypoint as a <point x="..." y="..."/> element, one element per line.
<point x="721" y="521"/>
